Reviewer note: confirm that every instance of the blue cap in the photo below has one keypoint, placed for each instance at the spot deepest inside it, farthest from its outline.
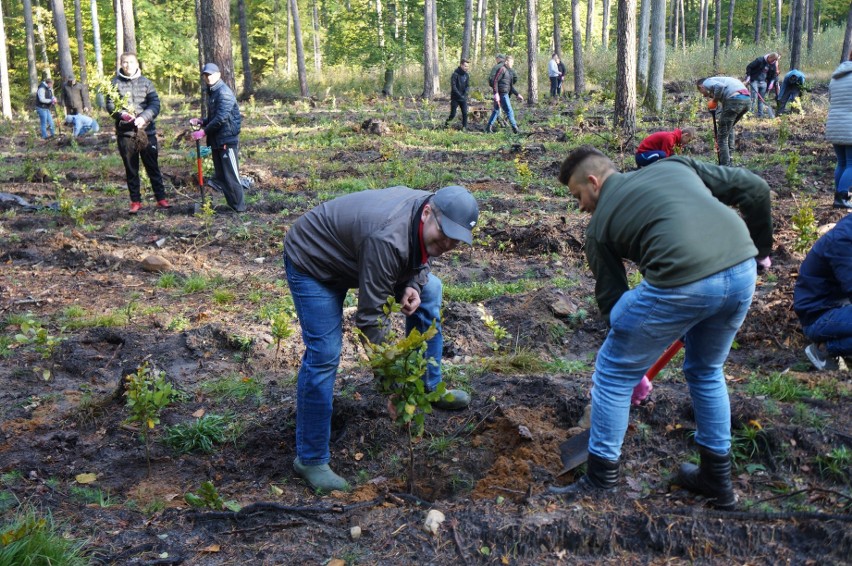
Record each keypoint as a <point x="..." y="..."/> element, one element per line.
<point x="209" y="69"/>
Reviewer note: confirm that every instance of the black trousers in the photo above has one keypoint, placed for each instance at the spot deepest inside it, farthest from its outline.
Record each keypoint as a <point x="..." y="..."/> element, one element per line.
<point x="554" y="86"/>
<point x="130" y="157"/>
<point x="226" y="164"/>
<point x="454" y="104"/>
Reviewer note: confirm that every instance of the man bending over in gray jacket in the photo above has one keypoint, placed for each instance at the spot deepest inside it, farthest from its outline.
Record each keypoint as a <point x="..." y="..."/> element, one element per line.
<point x="379" y="242"/>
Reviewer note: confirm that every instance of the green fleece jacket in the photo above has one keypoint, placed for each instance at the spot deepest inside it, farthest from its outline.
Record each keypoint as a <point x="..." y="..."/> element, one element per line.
<point x="673" y="221"/>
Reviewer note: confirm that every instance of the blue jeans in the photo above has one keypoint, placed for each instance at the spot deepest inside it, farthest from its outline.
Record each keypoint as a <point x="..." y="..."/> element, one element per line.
<point x="757" y="91"/>
<point x="647" y="157"/>
<point x="834" y="328"/>
<point x="45" y="121"/>
<point x="843" y="170"/>
<point x="320" y="310"/>
<point x="507" y="109"/>
<point x="646" y="320"/>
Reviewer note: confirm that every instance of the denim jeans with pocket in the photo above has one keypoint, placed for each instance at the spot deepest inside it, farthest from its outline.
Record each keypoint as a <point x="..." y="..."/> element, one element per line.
<point x="646" y="320"/>
<point x="506" y="106"/>
<point x="45" y="121"/>
<point x="320" y="310"/>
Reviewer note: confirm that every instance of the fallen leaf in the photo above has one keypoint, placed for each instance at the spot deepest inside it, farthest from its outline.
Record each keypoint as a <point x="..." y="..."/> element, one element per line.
<point x="211" y="548"/>
<point x="198" y="414"/>
<point x="276" y="490"/>
<point x="359" y="456"/>
<point x="86" y="478"/>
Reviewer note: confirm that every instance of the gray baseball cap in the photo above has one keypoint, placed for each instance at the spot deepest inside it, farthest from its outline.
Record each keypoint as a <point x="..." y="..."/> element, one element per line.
<point x="210" y="68"/>
<point x="457" y="212"/>
<point x="500" y="57"/>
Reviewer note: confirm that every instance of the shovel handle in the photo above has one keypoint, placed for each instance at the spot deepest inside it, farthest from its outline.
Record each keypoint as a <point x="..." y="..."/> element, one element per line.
<point x="198" y="162"/>
<point x="664" y="359"/>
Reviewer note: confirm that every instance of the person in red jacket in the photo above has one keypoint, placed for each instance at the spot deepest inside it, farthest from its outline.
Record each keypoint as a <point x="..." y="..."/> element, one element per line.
<point x="662" y="144"/>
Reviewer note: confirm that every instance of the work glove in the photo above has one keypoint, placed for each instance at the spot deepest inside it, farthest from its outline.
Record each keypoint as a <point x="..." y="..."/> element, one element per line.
<point x="641" y="391"/>
<point x="763" y="263"/>
<point x="126" y="117"/>
<point x="196" y="122"/>
<point x="140" y="122"/>
<point x="197" y="134"/>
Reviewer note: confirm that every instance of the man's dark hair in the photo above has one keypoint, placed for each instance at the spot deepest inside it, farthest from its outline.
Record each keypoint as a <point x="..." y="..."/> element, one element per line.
<point x="575" y="158"/>
<point x="700" y="82"/>
<point x="463" y="61"/>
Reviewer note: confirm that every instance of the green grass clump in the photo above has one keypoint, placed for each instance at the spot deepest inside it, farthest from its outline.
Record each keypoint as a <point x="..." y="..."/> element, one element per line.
<point x="167" y="280"/>
<point x="200" y="435"/>
<point x="478" y="291"/>
<point x="194" y="284"/>
<point x="29" y="539"/>
<point x="778" y="386"/>
<point x="234" y="386"/>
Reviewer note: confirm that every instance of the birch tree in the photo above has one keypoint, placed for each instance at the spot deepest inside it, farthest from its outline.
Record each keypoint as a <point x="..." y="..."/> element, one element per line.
<point x="605" y="25"/>
<point x="430" y="85"/>
<point x="532" y="53"/>
<point x="642" y="45"/>
<point x="29" y="30"/>
<point x="577" y="38"/>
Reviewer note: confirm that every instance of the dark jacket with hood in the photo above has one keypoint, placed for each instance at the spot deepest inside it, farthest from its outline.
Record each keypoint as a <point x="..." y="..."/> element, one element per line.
<point x="825" y="277"/>
<point x="223" y="121"/>
<point x="460" y="83"/>
<point x="144" y="102"/>
<point x="760" y="67"/>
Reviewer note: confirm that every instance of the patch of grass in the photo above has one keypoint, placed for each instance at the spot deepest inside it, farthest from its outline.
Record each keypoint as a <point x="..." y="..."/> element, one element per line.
<point x="441" y="444"/>
<point x="234" y="386"/>
<point x="779" y="386"/>
<point x="836" y="464"/>
<point x="200" y="435"/>
<point x="224" y="296"/>
<point x="33" y="539"/>
<point x="195" y="283"/>
<point x="747" y="443"/>
<point x="73" y="311"/>
<point x="804" y="415"/>
<point x="568" y="366"/>
<point x="479" y="291"/>
<point x="178" y="324"/>
<point x="6" y="346"/>
<point x="519" y="361"/>
<point x="168" y="280"/>
<point x="89" y="495"/>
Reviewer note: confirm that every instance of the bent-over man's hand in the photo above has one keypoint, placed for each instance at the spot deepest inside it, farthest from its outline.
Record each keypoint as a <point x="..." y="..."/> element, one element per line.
<point x="410" y="301"/>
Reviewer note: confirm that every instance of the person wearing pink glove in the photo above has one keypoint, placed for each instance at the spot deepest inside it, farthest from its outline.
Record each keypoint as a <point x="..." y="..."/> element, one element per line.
<point x="137" y="119"/>
<point x="221" y="127"/>
<point x="696" y="254"/>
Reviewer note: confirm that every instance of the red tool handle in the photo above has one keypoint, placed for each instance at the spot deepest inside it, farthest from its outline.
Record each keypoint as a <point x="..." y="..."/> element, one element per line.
<point x="664" y="359"/>
<point x="198" y="162"/>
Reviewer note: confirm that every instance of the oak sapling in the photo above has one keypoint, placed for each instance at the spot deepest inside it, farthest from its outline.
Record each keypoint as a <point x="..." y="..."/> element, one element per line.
<point x="398" y="365"/>
<point x="148" y="393"/>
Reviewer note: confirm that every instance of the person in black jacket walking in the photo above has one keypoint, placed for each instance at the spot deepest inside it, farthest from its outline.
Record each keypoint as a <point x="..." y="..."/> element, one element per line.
<point x="460" y="84"/>
<point x="222" y="128"/>
<point x="135" y="131"/>
<point x="762" y="77"/>
<point x="502" y="86"/>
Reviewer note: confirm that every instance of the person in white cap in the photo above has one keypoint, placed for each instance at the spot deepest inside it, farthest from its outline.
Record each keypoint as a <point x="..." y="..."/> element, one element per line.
<point x="222" y="128"/>
<point x="380" y="242"/>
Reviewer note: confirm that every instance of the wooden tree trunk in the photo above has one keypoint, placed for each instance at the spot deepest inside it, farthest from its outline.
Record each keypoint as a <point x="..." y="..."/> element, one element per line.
<point x="216" y="32"/>
<point x="119" y="33"/>
<point x="577" y="38"/>
<point x="682" y="24"/>
<point x="276" y="37"/>
<point x="289" y="39"/>
<point x="5" y="97"/>
<point x="702" y="13"/>
<point x="199" y="25"/>
<point x="29" y="30"/>
<point x="468" y="29"/>
<point x="730" y="37"/>
<point x="96" y="39"/>
<point x="758" y="20"/>
<point x="625" y="78"/>
<point x="428" y="51"/>
<point x="128" y="25"/>
<point x="66" y="67"/>
<point x="778" y="19"/>
<point x="654" y="94"/>
<point x="513" y="24"/>
<point x="642" y="46"/>
<point x="483" y="30"/>
<point x="315" y="22"/>
<point x="496" y="27"/>
<point x="847" y="37"/>
<point x="605" y="25"/>
<point x="810" y="14"/>
<point x="300" y="49"/>
<point x="796" y="48"/>
<point x="436" y="59"/>
<point x="675" y="24"/>
<point x="245" y="54"/>
<point x="590" y="18"/>
<point x="557" y="31"/>
<point x="532" y="53"/>
<point x="717" y="34"/>
<point x="81" y="52"/>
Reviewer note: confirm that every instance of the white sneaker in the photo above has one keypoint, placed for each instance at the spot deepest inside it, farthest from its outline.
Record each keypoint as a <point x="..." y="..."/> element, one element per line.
<point x="820" y="359"/>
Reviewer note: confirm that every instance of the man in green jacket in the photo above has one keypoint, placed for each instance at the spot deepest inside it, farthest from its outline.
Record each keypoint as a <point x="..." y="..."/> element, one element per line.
<point x="379" y="242"/>
<point x="697" y="258"/>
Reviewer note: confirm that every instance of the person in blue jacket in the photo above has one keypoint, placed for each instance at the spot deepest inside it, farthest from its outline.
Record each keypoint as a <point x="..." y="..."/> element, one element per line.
<point x="822" y="297"/>
<point x="791" y="88"/>
<point x="222" y="128"/>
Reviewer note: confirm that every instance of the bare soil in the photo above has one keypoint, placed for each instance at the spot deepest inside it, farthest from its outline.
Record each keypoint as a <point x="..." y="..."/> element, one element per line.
<point x="487" y="469"/>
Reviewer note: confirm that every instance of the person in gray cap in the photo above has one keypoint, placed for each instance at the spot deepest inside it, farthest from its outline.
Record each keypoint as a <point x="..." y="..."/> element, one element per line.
<point x="380" y="242"/>
<point x="500" y="59"/>
<point x="222" y="128"/>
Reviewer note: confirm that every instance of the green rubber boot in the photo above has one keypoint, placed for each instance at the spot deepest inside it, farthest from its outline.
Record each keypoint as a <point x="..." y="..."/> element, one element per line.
<point x="320" y="476"/>
<point x="453" y="400"/>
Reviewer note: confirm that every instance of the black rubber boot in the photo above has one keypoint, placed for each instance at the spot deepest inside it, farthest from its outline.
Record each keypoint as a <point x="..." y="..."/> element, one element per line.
<point x="515" y="130"/>
<point x="712" y="478"/>
<point x="841" y="200"/>
<point x="601" y="476"/>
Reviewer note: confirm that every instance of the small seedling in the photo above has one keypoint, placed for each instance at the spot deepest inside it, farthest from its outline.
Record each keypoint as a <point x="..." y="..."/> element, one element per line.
<point x="497" y="331"/>
<point x="280" y="327"/>
<point x="148" y="393"/>
<point x="208" y="497"/>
